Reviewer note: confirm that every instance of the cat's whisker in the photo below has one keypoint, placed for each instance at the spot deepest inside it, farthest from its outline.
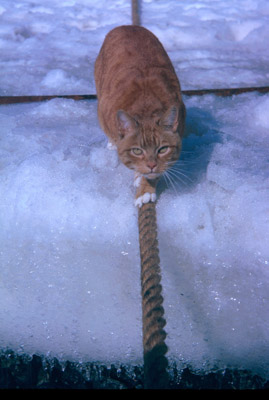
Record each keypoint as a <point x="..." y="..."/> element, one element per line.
<point x="178" y="163"/>
<point x="171" y="166"/>
<point x="187" y="162"/>
<point x="176" y="179"/>
<point x="169" y="182"/>
<point x="177" y="168"/>
<point x="177" y="175"/>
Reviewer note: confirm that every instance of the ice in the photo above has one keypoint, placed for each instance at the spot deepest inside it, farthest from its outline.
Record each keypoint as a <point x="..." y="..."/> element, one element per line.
<point x="261" y="117"/>
<point x="242" y="29"/>
<point x="69" y="252"/>
<point x="221" y="228"/>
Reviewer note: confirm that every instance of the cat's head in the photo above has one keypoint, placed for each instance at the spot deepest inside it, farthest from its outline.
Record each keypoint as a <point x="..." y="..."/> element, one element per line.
<point x="150" y="146"/>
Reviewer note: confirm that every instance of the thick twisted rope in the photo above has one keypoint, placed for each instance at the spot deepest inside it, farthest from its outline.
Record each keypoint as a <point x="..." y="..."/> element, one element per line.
<point x="155" y="362"/>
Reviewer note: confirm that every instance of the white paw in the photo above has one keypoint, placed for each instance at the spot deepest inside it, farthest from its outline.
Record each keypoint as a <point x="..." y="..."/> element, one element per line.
<point x="137" y="180"/>
<point x="146" y="198"/>
<point x="111" y="146"/>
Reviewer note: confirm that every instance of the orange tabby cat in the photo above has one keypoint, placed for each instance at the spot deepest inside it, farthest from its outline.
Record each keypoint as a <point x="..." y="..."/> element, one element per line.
<point x="139" y="105"/>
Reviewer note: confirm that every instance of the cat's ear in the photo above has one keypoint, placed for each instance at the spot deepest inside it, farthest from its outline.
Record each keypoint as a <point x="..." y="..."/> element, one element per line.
<point x="126" y="124"/>
<point x="170" y="118"/>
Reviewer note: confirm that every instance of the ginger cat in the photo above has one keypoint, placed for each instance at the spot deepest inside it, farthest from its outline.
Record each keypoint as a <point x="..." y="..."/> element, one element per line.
<point x="139" y="105"/>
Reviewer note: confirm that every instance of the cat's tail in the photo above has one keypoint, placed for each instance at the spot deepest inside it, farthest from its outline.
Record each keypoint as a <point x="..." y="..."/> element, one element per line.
<point x="135" y="12"/>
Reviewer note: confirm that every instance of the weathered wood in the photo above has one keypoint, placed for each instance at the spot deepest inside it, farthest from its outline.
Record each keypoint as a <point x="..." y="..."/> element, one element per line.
<point x="199" y="92"/>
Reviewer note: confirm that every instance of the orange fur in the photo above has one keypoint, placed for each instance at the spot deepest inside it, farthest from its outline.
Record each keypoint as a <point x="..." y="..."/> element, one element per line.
<point x="139" y="102"/>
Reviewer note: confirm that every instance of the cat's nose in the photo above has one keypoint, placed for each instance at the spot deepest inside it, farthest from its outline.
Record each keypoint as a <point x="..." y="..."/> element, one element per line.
<point x="151" y="164"/>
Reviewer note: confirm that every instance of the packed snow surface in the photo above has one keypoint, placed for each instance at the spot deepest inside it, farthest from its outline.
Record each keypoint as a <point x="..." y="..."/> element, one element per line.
<point x="69" y="253"/>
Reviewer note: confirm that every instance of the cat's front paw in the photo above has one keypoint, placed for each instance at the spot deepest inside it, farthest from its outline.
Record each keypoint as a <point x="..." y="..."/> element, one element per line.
<point x="145" y="198"/>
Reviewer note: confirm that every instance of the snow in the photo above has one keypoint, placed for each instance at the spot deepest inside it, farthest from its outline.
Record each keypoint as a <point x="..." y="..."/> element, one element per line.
<point x="69" y="253"/>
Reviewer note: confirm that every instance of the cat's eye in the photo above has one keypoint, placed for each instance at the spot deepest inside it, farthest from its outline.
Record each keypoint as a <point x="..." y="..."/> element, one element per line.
<point x="137" y="152"/>
<point x="163" y="150"/>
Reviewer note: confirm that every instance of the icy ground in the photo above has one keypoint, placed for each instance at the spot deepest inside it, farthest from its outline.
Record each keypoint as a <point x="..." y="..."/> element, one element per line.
<point x="69" y="256"/>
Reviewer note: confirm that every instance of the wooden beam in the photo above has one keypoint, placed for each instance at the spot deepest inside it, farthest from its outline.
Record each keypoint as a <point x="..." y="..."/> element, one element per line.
<point x="199" y="92"/>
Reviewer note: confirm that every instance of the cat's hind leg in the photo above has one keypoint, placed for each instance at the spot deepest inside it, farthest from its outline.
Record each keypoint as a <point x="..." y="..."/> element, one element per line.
<point x="146" y="191"/>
